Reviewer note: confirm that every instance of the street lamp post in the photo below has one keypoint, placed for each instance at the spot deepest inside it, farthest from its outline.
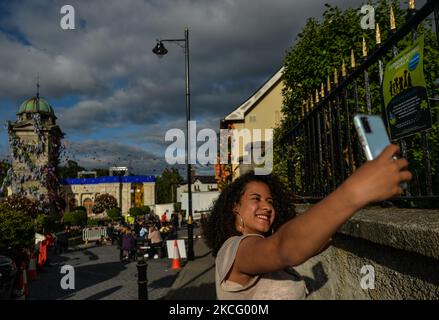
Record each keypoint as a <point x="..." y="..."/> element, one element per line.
<point x="160" y="50"/>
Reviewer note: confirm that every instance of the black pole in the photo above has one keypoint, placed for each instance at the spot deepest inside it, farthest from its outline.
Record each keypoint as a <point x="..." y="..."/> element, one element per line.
<point x="190" y="226"/>
<point x="142" y="279"/>
<point x="339" y="140"/>
<point x="160" y="50"/>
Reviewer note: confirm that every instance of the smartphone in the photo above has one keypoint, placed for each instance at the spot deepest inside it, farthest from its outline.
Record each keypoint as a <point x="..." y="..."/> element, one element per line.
<point x="372" y="134"/>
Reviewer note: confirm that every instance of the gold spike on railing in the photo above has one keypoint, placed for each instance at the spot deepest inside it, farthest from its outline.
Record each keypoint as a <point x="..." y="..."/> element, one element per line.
<point x="412" y="5"/>
<point x="378" y="34"/>
<point x="352" y="59"/>
<point x="335" y="76"/>
<point x="328" y="84"/>
<point x="322" y="90"/>
<point x="392" y="19"/>
<point x="311" y="102"/>
<point x="317" y="96"/>
<point x="343" y="69"/>
<point x="364" y="48"/>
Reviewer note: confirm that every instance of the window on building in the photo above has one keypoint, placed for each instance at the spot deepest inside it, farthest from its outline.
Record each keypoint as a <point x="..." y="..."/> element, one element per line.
<point x="137" y="195"/>
<point x="88" y="204"/>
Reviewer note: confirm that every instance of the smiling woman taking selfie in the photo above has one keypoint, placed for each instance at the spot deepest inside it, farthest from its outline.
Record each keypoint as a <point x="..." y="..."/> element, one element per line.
<point x="257" y="239"/>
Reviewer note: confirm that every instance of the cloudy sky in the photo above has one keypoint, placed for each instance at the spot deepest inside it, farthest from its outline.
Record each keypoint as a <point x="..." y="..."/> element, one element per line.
<point x="113" y="97"/>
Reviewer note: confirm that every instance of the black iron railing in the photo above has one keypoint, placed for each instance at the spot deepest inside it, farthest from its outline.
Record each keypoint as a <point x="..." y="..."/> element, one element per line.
<point x="325" y="148"/>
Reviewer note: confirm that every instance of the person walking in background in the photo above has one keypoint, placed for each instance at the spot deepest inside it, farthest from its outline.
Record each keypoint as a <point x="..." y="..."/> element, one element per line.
<point x="120" y="233"/>
<point x="164" y="217"/>
<point x="257" y="239"/>
<point x="180" y="219"/>
<point x="137" y="226"/>
<point x="174" y="221"/>
<point x="128" y="244"/>
<point x="143" y="231"/>
<point x="154" y="239"/>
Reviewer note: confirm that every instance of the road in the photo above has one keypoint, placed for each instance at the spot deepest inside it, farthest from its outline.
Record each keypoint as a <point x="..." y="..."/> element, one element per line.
<point x="99" y="275"/>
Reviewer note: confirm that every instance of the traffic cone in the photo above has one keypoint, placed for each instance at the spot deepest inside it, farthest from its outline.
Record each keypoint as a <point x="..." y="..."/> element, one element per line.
<point x="176" y="257"/>
<point x="32" y="270"/>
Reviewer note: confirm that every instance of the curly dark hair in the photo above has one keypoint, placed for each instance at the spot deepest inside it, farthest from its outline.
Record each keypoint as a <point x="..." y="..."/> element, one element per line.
<point x="220" y="224"/>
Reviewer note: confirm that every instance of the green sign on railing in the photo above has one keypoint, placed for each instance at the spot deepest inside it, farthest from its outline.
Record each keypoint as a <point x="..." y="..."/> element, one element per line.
<point x="405" y="93"/>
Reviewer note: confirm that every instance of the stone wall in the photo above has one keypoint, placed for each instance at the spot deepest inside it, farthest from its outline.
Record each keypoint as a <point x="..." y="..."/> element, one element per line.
<point x="400" y="247"/>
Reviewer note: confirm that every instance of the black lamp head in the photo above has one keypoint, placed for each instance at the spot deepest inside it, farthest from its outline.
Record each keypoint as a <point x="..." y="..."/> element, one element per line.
<point x="160" y="49"/>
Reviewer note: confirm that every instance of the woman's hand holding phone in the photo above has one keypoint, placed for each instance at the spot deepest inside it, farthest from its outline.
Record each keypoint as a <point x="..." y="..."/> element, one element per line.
<point x="378" y="179"/>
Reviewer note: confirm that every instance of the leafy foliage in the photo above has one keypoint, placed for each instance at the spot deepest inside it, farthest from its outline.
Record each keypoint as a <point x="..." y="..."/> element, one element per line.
<point x="45" y="222"/>
<point x="80" y="208"/>
<point x="103" y="202"/>
<point x="114" y="213"/>
<point x="77" y="217"/>
<point x="17" y="230"/>
<point x="167" y="185"/>
<point x="322" y="46"/>
<point x="70" y="171"/>
<point x="4" y="167"/>
<point x="141" y="211"/>
<point x="18" y="202"/>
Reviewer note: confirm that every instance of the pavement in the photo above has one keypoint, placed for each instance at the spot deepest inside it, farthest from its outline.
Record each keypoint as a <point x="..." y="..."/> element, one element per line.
<point x="196" y="280"/>
<point x="99" y="275"/>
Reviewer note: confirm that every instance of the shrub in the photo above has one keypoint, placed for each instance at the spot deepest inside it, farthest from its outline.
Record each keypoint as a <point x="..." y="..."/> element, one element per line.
<point x="80" y="208"/>
<point x="97" y="222"/>
<point x="68" y="218"/>
<point x="135" y="211"/>
<point x="114" y="213"/>
<point x="80" y="217"/>
<point x="92" y="222"/>
<point x="75" y="217"/>
<point x="17" y="230"/>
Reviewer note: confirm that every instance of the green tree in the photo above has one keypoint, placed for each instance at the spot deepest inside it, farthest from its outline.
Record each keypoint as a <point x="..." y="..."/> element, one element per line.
<point x="17" y="230"/>
<point x="45" y="222"/>
<point x="103" y="202"/>
<point x="102" y="172"/>
<point x="167" y="184"/>
<point x="320" y="48"/>
<point x="17" y="202"/>
<point x="69" y="171"/>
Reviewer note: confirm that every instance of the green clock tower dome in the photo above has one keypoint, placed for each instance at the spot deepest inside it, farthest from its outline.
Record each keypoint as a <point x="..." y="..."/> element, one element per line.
<point x="36" y="105"/>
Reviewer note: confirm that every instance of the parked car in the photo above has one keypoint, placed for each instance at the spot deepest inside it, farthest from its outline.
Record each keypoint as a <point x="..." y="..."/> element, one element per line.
<point x="8" y="273"/>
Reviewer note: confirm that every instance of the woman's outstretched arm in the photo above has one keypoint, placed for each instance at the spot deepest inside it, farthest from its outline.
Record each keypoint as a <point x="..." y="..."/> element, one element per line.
<point x="302" y="237"/>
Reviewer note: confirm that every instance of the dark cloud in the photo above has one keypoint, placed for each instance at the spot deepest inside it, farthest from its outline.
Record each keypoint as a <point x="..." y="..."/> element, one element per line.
<point x="107" y="63"/>
<point x="236" y="42"/>
<point x="94" y="154"/>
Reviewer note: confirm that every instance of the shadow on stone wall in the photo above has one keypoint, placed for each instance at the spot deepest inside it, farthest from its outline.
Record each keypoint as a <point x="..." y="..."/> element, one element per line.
<point x="319" y="278"/>
<point x="410" y="263"/>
